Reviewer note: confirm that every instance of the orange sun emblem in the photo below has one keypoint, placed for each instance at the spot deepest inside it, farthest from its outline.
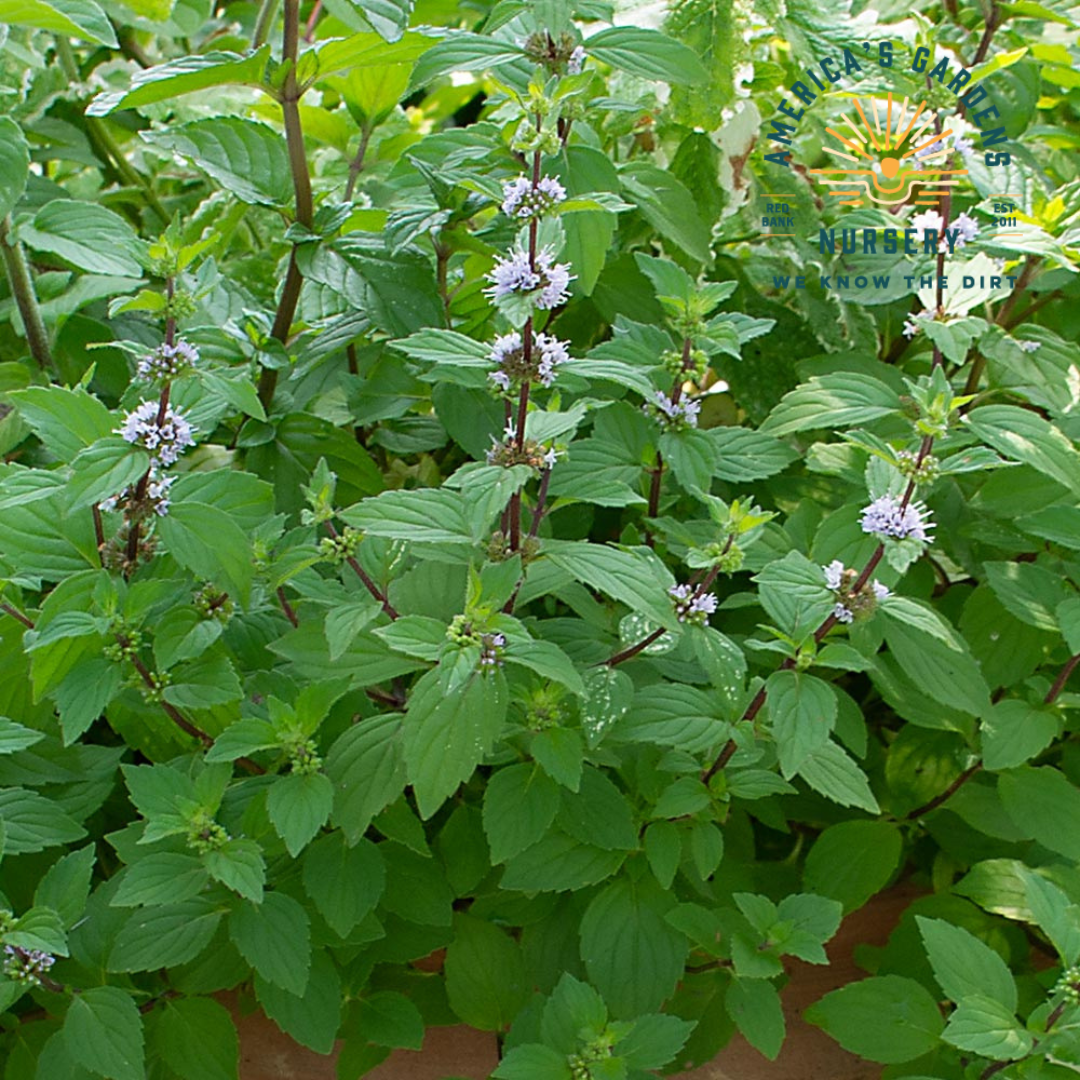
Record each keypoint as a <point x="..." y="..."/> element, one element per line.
<point x="888" y="142"/>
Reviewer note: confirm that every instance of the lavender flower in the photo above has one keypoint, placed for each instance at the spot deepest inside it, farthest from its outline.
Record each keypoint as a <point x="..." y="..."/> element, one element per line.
<point x="491" y="649"/>
<point x="1028" y="346"/>
<point x="673" y="414"/>
<point x="521" y="200"/>
<point x="911" y="323"/>
<point x="886" y="516"/>
<point x="963" y="145"/>
<point x="155" y="498"/>
<point x="26" y="965"/>
<point x="881" y="592"/>
<point x="576" y="62"/>
<point x="168" y="361"/>
<point x="165" y="441"/>
<point x="834" y="574"/>
<point x="843" y="614"/>
<point x="692" y="606"/>
<point x="513" y="274"/>
<point x="966" y="226"/>
<point x="509" y="353"/>
<point x="928" y="220"/>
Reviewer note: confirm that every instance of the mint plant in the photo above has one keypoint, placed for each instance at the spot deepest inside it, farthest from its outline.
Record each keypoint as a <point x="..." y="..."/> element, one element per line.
<point x="455" y="568"/>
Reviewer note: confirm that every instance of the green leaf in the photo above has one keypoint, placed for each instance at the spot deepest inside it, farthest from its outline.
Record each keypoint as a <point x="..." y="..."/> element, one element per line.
<point x="209" y="681"/>
<point x="208" y="542"/>
<point x="647" y="53"/>
<point x="87" y="236"/>
<point x="803" y="712"/>
<point x="77" y="18"/>
<point x="183" y="634"/>
<point x="1045" y="806"/>
<point x="367" y="770"/>
<point x="275" y="938"/>
<point x="249" y="160"/>
<point x="103" y="1031"/>
<point x="653" y="1041"/>
<point x="14" y="737"/>
<point x="388" y="1018"/>
<point x="663" y="849"/>
<point x="667" y="205"/>
<point x="598" y="813"/>
<point x="830" y="771"/>
<point x="298" y="806"/>
<point x="743" y="454"/>
<point x="183" y="76"/>
<point x="1029" y="592"/>
<point x="463" y="52"/>
<point x="532" y="1061"/>
<point x="39" y="928"/>
<point x="33" y="823"/>
<point x="66" y="421"/>
<point x="691" y="456"/>
<point x="963" y="965"/>
<point x="792" y="590"/>
<point x="105" y="469"/>
<point x="986" y="1027"/>
<point x="14" y="163"/>
<point x="197" y="1039"/>
<point x="435" y="516"/>
<point x="486" y="981"/>
<point x="1021" y="435"/>
<point x="625" y="576"/>
<point x="66" y="885"/>
<point x="164" y="936"/>
<point x="238" y="865"/>
<point x="1013" y="732"/>
<point x="388" y="17"/>
<point x="520" y="803"/>
<point x="85" y="692"/>
<point x="313" y="1017"/>
<point x="344" y="882"/>
<point x="560" y="754"/>
<point x="1055" y="915"/>
<point x="560" y="863"/>
<point x="243" y="737"/>
<point x="885" y="1018"/>
<point x="163" y="877"/>
<point x="633" y="956"/>
<point x="833" y="401"/>
<point x="755" y="1007"/>
<point x="446" y="736"/>
<point x="853" y="860"/>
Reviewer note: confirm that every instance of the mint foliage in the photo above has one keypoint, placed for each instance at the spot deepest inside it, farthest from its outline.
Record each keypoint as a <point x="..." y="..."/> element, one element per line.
<point x="457" y="567"/>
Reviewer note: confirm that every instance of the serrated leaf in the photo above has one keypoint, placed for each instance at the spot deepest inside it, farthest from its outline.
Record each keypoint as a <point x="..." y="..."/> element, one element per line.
<point x="197" y="1038"/>
<point x="520" y="803"/>
<point x="963" y="965"/>
<point x="88" y="236"/>
<point x="275" y="938"/>
<point x="163" y="877"/>
<point x="486" y="980"/>
<point x="986" y="1027"/>
<point x="164" y="936"/>
<point x="238" y="864"/>
<point x="298" y="806"/>
<point x="103" y="1031"/>
<point x="345" y="883"/>
<point x="647" y="53"/>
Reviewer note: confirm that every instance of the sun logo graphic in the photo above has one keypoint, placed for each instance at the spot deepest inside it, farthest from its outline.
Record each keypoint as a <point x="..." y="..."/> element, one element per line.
<point x="893" y="159"/>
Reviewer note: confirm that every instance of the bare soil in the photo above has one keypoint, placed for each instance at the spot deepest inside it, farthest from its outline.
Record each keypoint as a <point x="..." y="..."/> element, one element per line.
<point x="461" y="1052"/>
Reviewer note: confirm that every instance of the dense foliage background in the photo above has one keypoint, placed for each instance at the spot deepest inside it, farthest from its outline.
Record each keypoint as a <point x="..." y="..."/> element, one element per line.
<point x="434" y="525"/>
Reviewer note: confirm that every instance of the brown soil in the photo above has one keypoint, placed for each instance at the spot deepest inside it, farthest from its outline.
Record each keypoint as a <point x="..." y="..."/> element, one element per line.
<point x="808" y="1054"/>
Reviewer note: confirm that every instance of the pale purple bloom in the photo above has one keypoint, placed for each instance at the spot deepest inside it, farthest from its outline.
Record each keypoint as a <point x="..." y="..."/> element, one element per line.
<point x="156" y="495"/>
<point x="692" y="606"/>
<point x="167" y="361"/>
<point x="843" y="614"/>
<point x="550" y="458"/>
<point x="911" y="323"/>
<point x="26" y="965"/>
<point x="500" y="379"/>
<point x="963" y="145"/>
<point x="164" y="441"/>
<point x="555" y="278"/>
<point x="1028" y="346"/>
<point x="521" y="200"/>
<point x="510" y="431"/>
<point x="967" y="227"/>
<point x="928" y="220"/>
<point x="834" y="574"/>
<point x="505" y="347"/>
<point x="886" y="516"/>
<point x="881" y="592"/>
<point x="508" y="352"/>
<point x="513" y="274"/>
<point x="576" y="61"/>
<point x="491" y="649"/>
<point x="673" y="414"/>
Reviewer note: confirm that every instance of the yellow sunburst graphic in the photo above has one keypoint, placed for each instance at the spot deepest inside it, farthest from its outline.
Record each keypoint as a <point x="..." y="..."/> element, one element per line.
<point x="893" y="138"/>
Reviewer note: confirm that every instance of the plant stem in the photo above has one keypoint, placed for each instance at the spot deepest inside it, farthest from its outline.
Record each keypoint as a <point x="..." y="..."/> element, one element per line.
<point x="264" y="23"/>
<point x="294" y="140"/>
<point x="633" y="650"/>
<point x="947" y="794"/>
<point x="993" y="21"/>
<point x="16" y="614"/>
<point x="290" y="614"/>
<point x="1061" y="680"/>
<point x="22" y="289"/>
<point x="356" y="166"/>
<point x="362" y="574"/>
<point x="313" y="18"/>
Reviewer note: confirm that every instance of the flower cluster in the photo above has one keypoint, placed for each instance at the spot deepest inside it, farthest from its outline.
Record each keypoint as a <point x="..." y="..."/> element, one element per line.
<point x="1028" y="346"/>
<point x="547" y="278"/>
<point x="205" y="834"/>
<point x="522" y="200"/>
<point x="692" y="606"/>
<point x="962" y="145"/>
<point x="153" y="499"/>
<point x="165" y="439"/>
<point x="911" y="323"/>
<point x="26" y="965"/>
<point x="924" y="469"/>
<point x="887" y="516"/>
<point x="491" y="650"/>
<point x="508" y="353"/>
<point x="576" y="62"/>
<point x="965" y="226"/>
<point x="534" y="454"/>
<point x="167" y="361"/>
<point x="673" y="415"/>
<point x="850" y="604"/>
<point x="304" y="758"/>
